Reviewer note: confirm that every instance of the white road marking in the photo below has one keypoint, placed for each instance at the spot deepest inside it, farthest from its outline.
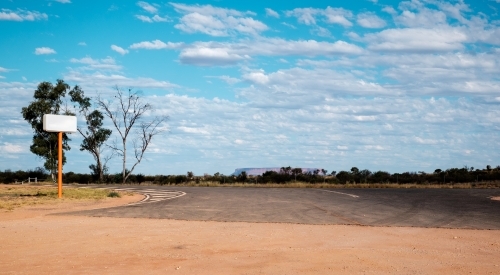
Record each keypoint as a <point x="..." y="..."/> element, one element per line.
<point x="151" y="195"/>
<point x="351" y="195"/>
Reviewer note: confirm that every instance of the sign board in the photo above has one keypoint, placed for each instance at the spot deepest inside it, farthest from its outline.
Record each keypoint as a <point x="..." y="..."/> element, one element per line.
<point x="59" y="123"/>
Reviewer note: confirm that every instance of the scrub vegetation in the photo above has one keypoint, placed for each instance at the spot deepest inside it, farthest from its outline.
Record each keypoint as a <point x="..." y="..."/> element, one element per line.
<point x="292" y="177"/>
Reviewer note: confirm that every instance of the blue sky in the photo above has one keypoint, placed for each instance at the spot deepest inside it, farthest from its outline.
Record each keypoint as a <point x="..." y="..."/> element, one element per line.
<point x="383" y="85"/>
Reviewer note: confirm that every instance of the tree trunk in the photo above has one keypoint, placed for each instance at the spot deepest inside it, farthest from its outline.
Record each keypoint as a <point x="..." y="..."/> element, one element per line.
<point x="124" y="160"/>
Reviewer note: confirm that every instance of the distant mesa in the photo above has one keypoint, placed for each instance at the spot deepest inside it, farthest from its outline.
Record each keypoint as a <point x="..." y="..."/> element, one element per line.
<point x="260" y="171"/>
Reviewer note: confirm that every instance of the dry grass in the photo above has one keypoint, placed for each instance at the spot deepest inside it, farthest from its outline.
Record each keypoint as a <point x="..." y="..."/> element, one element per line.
<point x="12" y="196"/>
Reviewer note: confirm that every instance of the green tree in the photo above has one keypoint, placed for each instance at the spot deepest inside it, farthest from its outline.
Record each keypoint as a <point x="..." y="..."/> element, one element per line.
<point x="94" y="136"/>
<point x="296" y="171"/>
<point x="47" y="100"/>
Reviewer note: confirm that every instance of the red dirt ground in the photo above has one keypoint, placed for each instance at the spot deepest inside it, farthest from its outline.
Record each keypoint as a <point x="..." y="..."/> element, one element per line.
<point x="33" y="242"/>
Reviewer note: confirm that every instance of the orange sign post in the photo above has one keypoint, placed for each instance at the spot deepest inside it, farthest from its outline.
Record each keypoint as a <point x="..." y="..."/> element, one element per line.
<point x="59" y="124"/>
<point x="59" y="166"/>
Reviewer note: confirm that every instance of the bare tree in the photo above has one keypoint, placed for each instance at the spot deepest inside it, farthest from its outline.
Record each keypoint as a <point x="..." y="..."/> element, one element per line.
<point x="125" y="113"/>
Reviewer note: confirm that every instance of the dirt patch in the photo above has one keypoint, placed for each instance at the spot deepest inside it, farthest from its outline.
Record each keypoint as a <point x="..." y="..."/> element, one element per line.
<point x="33" y="242"/>
<point x="65" y="206"/>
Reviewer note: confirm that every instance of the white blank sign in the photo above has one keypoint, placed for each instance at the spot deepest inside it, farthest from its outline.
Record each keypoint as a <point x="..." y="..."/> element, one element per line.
<point x="58" y="123"/>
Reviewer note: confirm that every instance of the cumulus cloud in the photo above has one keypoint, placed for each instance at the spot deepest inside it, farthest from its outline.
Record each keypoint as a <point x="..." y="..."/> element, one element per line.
<point x="308" y="16"/>
<point x="424" y="18"/>
<point x="300" y="87"/>
<point x="11" y="148"/>
<point x="370" y="20"/>
<point x="82" y="44"/>
<point x="272" y="13"/>
<point x="107" y="63"/>
<point x="204" y="56"/>
<point x="119" y="50"/>
<point x="213" y="53"/>
<point x="64" y="1"/>
<point x="216" y="21"/>
<point x="156" y="45"/>
<point x="44" y="50"/>
<point x="155" y="18"/>
<point x="417" y="40"/>
<point x="144" y="18"/>
<point x="22" y="15"/>
<point x="229" y="80"/>
<point x="147" y="7"/>
<point x="352" y="130"/>
<point x="99" y="81"/>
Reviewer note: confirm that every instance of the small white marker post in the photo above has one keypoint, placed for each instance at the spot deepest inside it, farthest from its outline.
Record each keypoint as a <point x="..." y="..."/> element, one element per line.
<point x="59" y="124"/>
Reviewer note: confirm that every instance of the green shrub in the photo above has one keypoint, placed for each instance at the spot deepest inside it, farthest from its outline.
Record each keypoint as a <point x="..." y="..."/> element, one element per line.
<point x="114" y="194"/>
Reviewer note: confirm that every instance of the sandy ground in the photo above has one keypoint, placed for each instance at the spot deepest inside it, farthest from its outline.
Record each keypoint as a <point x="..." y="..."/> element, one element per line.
<point x="34" y="242"/>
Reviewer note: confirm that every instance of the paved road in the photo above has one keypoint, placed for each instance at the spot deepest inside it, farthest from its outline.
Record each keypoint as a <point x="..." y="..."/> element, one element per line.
<point x="447" y="208"/>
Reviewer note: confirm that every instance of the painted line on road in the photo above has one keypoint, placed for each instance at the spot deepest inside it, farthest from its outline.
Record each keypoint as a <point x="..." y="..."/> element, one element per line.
<point x="350" y="195"/>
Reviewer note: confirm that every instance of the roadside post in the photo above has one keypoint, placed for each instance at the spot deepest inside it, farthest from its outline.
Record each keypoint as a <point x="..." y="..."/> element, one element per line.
<point x="59" y="124"/>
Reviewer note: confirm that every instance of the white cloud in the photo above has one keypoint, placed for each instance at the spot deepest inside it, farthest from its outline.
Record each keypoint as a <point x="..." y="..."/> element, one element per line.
<point x="389" y="10"/>
<point x="99" y="81"/>
<point x="11" y="148"/>
<point x="338" y="16"/>
<point x="417" y="40"/>
<point x="288" y="25"/>
<point x="64" y="1"/>
<point x="425" y="18"/>
<point x="257" y="77"/>
<point x="82" y="44"/>
<point x="155" y="18"/>
<point x="320" y="31"/>
<point x="107" y="63"/>
<point x="44" y="50"/>
<point x="420" y="74"/>
<point x="22" y="15"/>
<point x="3" y="70"/>
<point x="305" y="16"/>
<point x="222" y="54"/>
<point x="272" y="13"/>
<point x="298" y="86"/>
<point x="144" y="18"/>
<point x="330" y="15"/>
<point x="229" y="80"/>
<point x="158" y="18"/>
<point x="209" y="57"/>
<point x="216" y="21"/>
<point x="370" y="20"/>
<point x="156" y="45"/>
<point x="349" y="130"/>
<point x="147" y="7"/>
<point x="119" y="50"/>
<point x="192" y="130"/>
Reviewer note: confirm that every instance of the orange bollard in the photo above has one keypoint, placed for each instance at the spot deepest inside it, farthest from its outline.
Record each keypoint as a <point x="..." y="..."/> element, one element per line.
<point x="59" y="167"/>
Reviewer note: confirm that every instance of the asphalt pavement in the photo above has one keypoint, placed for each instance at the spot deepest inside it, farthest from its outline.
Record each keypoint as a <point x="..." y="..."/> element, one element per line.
<point x="436" y="208"/>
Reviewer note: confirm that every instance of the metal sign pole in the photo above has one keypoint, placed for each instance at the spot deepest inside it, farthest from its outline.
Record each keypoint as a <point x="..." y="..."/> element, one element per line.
<point x="59" y="124"/>
<point x="59" y="167"/>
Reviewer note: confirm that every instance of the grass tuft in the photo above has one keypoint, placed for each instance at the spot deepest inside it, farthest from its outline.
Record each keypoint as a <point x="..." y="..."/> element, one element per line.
<point x="114" y="194"/>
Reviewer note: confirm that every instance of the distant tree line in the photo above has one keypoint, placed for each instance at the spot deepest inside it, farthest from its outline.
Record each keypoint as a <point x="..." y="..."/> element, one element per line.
<point x="285" y="175"/>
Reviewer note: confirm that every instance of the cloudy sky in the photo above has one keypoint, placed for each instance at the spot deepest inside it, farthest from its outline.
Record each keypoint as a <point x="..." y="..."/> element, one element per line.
<point x="383" y="85"/>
